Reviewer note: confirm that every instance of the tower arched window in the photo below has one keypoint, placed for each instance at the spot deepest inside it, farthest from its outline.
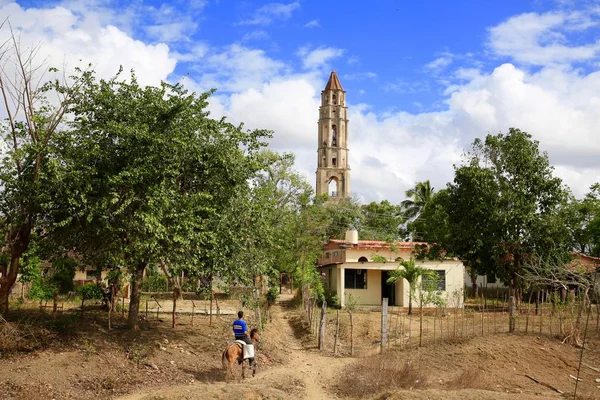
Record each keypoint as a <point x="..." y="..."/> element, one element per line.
<point x="334" y="135"/>
<point x="334" y="99"/>
<point x="333" y="187"/>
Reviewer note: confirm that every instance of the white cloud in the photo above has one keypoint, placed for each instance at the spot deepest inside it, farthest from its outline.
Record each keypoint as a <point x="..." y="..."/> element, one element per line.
<point x="255" y="35"/>
<point x="318" y="57"/>
<point x="439" y="64"/>
<point x="266" y="14"/>
<point x="557" y="104"/>
<point x="543" y="39"/>
<point x="312" y="24"/>
<point x="73" y="40"/>
<point x="238" y="68"/>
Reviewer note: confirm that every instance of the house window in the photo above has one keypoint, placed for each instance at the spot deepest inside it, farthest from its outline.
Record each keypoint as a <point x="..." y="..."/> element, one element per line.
<point x="355" y="278"/>
<point x="329" y="278"/>
<point x="363" y="259"/>
<point x="327" y="255"/>
<point x="441" y="280"/>
<point x="491" y="278"/>
<point x="92" y="275"/>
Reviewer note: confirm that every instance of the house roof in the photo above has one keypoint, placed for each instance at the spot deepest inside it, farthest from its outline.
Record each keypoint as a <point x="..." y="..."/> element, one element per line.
<point x="333" y="83"/>
<point x="581" y="260"/>
<point x="378" y="244"/>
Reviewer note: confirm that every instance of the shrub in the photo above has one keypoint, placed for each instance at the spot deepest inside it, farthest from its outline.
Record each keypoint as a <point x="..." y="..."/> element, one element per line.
<point x="91" y="291"/>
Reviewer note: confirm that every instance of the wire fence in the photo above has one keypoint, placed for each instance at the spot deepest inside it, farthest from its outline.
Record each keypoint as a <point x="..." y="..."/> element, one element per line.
<point x="364" y="334"/>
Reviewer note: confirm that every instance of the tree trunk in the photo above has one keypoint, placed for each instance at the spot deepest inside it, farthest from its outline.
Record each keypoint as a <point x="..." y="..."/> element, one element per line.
<point x="20" y="241"/>
<point x="176" y="295"/>
<point x="410" y="297"/>
<point x="474" y="286"/>
<point x="512" y="308"/>
<point x="173" y="280"/>
<point x="134" y="298"/>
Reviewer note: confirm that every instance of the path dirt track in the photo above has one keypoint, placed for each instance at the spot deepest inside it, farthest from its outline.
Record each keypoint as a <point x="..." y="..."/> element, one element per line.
<point x="306" y="374"/>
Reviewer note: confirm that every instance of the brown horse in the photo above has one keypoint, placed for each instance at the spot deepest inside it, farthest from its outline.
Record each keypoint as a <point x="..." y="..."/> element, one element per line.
<point x="234" y="352"/>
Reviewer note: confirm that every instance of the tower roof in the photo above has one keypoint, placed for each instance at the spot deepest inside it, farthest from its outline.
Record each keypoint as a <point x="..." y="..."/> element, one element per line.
<point x="333" y="83"/>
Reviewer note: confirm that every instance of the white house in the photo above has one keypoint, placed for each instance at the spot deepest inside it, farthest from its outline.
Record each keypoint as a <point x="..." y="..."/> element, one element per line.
<point x="349" y="269"/>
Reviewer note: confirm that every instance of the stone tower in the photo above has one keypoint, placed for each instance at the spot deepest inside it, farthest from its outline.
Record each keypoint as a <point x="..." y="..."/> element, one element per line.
<point x="333" y="171"/>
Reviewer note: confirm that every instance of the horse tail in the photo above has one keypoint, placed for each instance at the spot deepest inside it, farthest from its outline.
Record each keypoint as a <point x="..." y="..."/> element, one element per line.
<point x="224" y="358"/>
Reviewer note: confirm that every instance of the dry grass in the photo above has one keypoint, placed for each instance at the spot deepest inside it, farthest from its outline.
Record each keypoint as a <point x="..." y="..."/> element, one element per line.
<point x="376" y="374"/>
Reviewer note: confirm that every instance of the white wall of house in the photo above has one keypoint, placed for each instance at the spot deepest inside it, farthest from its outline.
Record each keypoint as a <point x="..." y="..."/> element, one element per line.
<point x="372" y="294"/>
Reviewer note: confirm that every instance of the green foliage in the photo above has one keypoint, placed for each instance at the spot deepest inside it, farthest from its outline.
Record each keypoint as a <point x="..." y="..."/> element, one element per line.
<point x="272" y="295"/>
<point x="504" y="206"/>
<point x="418" y="198"/>
<point x="411" y="272"/>
<point x="91" y="291"/>
<point x="42" y="289"/>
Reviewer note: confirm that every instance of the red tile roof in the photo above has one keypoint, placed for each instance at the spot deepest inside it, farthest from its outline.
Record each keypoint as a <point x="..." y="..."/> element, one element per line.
<point x="378" y="244"/>
<point x="588" y="262"/>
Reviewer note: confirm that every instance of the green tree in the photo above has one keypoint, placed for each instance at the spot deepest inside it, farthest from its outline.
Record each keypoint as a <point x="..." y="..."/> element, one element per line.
<point x="503" y="201"/>
<point x="146" y="169"/>
<point x="583" y="218"/>
<point x="417" y="199"/>
<point x="411" y="273"/>
<point x="27" y="172"/>
<point x="382" y="221"/>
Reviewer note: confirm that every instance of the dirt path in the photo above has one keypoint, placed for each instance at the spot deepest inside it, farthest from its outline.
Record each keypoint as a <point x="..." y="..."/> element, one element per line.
<point x="306" y="373"/>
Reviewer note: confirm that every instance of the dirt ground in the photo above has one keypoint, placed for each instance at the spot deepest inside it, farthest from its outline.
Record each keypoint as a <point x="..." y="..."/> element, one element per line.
<point x="184" y="363"/>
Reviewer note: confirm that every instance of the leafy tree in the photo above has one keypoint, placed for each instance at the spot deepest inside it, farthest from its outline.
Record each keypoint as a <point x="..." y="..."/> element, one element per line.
<point x="432" y="224"/>
<point x="145" y="169"/>
<point x="417" y="199"/>
<point x="502" y="203"/>
<point x="583" y="221"/>
<point x="27" y="173"/>
<point x="411" y="273"/>
<point x="382" y="221"/>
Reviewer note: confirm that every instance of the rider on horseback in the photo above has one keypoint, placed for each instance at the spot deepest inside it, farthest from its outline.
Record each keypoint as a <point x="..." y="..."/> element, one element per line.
<point x="240" y="332"/>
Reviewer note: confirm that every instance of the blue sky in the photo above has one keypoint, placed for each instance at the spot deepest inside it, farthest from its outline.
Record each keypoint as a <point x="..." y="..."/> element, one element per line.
<point x="423" y="79"/>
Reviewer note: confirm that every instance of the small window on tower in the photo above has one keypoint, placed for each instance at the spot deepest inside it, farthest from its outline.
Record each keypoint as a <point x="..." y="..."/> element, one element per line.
<point x="334" y="162"/>
<point x="334" y="99"/>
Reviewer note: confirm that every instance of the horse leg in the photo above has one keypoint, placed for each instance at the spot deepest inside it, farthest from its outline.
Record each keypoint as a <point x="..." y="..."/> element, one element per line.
<point x="243" y="369"/>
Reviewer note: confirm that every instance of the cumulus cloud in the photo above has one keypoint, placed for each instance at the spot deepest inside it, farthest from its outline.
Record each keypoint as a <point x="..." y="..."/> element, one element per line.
<point x="542" y="39"/>
<point x="557" y="103"/>
<point x="68" y="39"/>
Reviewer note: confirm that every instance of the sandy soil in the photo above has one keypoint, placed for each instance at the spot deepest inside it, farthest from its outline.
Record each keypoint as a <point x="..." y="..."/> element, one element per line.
<point x="184" y="363"/>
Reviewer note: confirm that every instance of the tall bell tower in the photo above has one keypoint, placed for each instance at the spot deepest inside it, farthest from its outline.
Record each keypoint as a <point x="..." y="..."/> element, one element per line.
<point x="333" y="171"/>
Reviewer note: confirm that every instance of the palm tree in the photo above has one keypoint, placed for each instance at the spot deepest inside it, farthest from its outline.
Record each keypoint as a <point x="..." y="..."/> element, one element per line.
<point x="411" y="273"/>
<point x="418" y="198"/>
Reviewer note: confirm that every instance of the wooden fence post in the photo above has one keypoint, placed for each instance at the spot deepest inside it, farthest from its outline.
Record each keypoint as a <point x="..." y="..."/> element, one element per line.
<point x="322" y="325"/>
<point x="337" y="332"/>
<point x="384" y="314"/>
<point x="512" y="306"/>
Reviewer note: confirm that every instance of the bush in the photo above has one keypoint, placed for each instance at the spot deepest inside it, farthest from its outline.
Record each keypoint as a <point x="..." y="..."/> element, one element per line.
<point x="91" y="291"/>
<point x="155" y="283"/>
<point x="331" y="298"/>
<point x="272" y="295"/>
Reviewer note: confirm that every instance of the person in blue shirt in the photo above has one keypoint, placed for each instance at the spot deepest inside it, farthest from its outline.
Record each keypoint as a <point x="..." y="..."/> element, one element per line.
<point x="240" y="331"/>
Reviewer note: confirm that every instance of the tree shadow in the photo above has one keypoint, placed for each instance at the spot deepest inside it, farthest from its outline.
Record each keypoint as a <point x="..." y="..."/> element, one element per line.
<point x="213" y="374"/>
